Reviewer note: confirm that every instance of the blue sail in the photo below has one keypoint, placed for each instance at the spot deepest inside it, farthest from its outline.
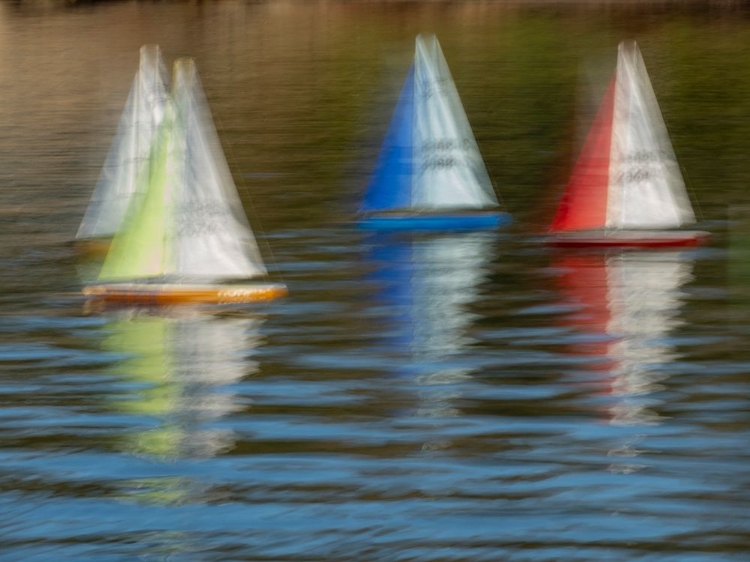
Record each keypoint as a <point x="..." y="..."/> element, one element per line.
<point x="390" y="185"/>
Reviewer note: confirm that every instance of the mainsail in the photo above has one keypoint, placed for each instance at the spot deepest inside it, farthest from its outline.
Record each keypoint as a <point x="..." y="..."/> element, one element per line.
<point x="190" y="224"/>
<point x="627" y="176"/>
<point x="129" y="151"/>
<point x="646" y="186"/>
<point x="430" y="159"/>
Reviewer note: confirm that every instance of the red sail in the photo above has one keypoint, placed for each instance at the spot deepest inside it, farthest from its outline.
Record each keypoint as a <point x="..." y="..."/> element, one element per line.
<point x="584" y="203"/>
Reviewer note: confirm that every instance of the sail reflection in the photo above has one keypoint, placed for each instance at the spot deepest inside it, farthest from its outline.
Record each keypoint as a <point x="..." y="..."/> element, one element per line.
<point x="428" y="285"/>
<point x="182" y="363"/>
<point x="626" y="304"/>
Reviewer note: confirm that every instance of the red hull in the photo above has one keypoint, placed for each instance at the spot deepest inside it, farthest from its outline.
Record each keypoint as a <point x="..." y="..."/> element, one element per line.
<point x="629" y="239"/>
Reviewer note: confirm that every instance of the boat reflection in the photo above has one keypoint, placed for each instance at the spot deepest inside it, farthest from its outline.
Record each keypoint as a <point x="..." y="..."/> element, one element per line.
<point x="427" y="285"/>
<point x="626" y="305"/>
<point x="180" y="363"/>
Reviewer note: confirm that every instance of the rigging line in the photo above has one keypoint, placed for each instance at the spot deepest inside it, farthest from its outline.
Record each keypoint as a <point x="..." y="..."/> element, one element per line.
<point x="256" y="218"/>
<point x="499" y="195"/>
<point x="691" y="191"/>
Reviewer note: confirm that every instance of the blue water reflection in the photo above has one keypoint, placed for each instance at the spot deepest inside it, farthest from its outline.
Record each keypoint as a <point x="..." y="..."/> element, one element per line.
<point x="426" y="286"/>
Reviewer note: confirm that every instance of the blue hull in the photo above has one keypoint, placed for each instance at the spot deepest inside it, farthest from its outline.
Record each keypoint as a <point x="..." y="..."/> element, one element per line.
<point x="483" y="221"/>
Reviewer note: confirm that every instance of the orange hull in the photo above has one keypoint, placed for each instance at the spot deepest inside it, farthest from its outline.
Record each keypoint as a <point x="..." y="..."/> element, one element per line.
<point x="170" y="294"/>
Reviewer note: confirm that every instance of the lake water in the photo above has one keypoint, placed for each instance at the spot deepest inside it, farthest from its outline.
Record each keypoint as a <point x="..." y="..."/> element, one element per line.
<point x="447" y="397"/>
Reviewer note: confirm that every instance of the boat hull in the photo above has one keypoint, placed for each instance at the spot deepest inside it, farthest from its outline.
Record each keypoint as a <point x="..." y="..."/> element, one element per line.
<point x="434" y="222"/>
<point x="93" y="247"/>
<point x="629" y="239"/>
<point x="171" y="294"/>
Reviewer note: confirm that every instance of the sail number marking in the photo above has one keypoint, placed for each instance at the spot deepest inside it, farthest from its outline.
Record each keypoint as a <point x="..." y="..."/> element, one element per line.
<point x="445" y="153"/>
<point x="640" y="166"/>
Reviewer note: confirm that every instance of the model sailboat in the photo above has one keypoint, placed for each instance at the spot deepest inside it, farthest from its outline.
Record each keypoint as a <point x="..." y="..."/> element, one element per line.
<point x="626" y="188"/>
<point x="430" y="174"/>
<point x="187" y="234"/>
<point x="129" y="151"/>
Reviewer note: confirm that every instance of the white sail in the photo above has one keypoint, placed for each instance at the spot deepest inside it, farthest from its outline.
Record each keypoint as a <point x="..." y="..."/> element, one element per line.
<point x="646" y="189"/>
<point x="212" y="238"/>
<point x="450" y="172"/>
<point x="129" y="151"/>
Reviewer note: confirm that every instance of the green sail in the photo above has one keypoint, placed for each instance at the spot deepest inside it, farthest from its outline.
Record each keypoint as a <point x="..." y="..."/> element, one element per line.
<point x="140" y="249"/>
